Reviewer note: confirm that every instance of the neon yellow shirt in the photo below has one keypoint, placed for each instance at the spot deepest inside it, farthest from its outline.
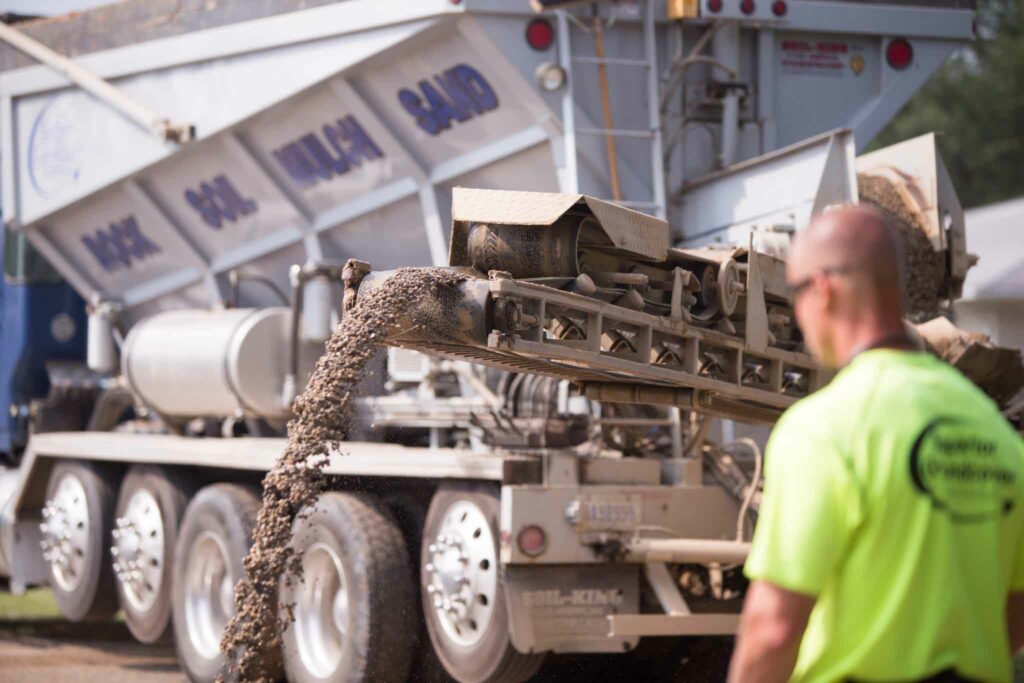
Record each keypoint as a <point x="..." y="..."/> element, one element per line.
<point x="895" y="495"/>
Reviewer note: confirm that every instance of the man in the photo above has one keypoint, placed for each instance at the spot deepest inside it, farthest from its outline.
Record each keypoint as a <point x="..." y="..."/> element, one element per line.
<point x="890" y="544"/>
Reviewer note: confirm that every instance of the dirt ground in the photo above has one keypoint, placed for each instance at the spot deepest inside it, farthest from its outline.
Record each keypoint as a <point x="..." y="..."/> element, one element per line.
<point x="58" y="652"/>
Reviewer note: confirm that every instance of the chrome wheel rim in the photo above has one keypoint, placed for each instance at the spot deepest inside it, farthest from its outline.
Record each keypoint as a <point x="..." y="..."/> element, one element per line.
<point x="461" y="573"/>
<point x="138" y="550"/>
<point x="209" y="593"/>
<point x="65" y="530"/>
<point x="322" y="611"/>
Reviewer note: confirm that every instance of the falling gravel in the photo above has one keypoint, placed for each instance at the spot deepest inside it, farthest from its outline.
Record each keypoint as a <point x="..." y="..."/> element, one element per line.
<point x="320" y="422"/>
<point x="924" y="267"/>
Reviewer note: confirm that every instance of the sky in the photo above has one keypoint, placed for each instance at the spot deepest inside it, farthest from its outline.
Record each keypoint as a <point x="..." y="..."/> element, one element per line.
<point x="48" y="7"/>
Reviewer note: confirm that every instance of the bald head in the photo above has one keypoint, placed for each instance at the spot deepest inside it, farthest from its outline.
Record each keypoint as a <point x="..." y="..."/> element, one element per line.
<point x="850" y="260"/>
<point x="854" y="241"/>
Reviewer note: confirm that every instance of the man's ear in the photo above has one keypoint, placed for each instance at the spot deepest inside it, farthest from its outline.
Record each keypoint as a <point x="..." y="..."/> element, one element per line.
<point x="827" y="291"/>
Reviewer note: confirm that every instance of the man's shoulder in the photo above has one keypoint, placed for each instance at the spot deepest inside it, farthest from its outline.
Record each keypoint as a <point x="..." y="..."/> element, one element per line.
<point x="844" y="407"/>
<point x="837" y="402"/>
<point x="888" y="391"/>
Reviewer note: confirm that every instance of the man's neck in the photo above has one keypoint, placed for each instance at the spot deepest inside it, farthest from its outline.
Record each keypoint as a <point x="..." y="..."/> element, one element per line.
<point x="864" y="337"/>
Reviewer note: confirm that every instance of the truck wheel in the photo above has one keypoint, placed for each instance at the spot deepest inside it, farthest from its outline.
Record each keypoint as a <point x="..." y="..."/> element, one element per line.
<point x="214" y="537"/>
<point x="464" y="595"/>
<point x="354" y="605"/>
<point x="411" y="514"/>
<point x="149" y="508"/>
<point x="77" y="520"/>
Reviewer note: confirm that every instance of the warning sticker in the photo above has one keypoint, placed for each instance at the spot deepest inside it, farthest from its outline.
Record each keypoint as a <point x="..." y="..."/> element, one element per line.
<point x="816" y="58"/>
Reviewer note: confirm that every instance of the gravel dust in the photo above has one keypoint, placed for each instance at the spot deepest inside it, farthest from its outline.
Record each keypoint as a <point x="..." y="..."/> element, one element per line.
<point x="321" y="416"/>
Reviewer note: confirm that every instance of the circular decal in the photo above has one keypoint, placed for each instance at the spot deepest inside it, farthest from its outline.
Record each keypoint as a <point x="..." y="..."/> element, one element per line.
<point x="56" y="148"/>
<point x="62" y="327"/>
<point x="961" y="468"/>
<point x="857" y="64"/>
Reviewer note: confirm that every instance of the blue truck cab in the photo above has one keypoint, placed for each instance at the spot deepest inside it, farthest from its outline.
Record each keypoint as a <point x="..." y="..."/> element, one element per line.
<point x="42" y="330"/>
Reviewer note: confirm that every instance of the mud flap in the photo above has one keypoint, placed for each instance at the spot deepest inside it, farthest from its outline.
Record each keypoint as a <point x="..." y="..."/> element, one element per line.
<point x="566" y="608"/>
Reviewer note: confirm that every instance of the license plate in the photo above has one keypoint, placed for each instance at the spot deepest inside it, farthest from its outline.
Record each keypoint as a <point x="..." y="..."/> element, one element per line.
<point x="608" y="514"/>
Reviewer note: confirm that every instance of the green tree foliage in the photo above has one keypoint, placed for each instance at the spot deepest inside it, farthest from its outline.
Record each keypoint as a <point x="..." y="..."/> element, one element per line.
<point x="975" y="102"/>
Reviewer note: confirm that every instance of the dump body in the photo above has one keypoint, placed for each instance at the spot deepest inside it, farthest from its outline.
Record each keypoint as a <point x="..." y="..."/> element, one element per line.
<point x="319" y="131"/>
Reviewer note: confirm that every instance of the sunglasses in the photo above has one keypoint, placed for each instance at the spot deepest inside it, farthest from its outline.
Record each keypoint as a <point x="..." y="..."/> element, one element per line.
<point x="799" y="286"/>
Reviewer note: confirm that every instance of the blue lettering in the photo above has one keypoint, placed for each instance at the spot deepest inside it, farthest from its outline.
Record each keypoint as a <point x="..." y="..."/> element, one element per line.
<point x="294" y="163"/>
<point x="361" y="145"/>
<point x="414" y="105"/>
<point x="229" y="194"/>
<point x="336" y="138"/>
<point x="443" y="110"/>
<point x="463" y="104"/>
<point x="309" y="160"/>
<point x="208" y="212"/>
<point x="219" y="200"/>
<point x="465" y="93"/>
<point x="457" y="93"/>
<point x="99" y="245"/>
<point x="323" y="163"/>
<point x="120" y="245"/>
<point x="477" y="87"/>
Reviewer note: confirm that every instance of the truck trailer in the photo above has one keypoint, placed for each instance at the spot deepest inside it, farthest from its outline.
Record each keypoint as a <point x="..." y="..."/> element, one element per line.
<point x="194" y="195"/>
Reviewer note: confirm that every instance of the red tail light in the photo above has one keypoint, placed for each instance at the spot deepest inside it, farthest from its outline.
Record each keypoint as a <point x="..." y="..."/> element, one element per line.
<point x="899" y="53"/>
<point x="532" y="540"/>
<point x="540" y="34"/>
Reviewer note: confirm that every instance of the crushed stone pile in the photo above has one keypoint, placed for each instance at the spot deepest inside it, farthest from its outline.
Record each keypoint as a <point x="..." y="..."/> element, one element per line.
<point x="321" y="417"/>
<point x="924" y="268"/>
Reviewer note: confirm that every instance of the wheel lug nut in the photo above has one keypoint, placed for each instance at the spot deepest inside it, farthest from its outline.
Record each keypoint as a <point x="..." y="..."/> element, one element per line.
<point x="430" y="568"/>
<point x="432" y="548"/>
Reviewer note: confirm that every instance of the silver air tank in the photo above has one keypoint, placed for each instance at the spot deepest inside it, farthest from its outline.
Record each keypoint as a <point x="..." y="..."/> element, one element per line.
<point x="100" y="347"/>
<point x="202" y="363"/>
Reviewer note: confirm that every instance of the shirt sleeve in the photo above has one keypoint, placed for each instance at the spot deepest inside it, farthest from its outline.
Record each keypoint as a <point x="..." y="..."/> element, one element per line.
<point x="810" y="509"/>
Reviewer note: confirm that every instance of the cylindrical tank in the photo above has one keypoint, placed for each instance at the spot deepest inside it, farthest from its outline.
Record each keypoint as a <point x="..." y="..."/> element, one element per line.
<point x="192" y="363"/>
<point x="317" y="305"/>
<point x="100" y="349"/>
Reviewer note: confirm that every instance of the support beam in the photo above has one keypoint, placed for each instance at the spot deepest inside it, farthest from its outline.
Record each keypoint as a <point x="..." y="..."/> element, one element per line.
<point x="665" y="588"/>
<point x="622" y="625"/>
<point x="137" y="112"/>
<point x="140" y="193"/>
<point x="688" y="550"/>
<point x="310" y="240"/>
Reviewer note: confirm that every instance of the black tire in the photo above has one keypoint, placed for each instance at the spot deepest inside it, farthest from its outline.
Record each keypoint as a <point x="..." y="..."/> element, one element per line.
<point x="411" y="514"/>
<point x="357" y="532"/>
<point x="147" y="605"/>
<point x="90" y="594"/>
<point x="223" y="514"/>
<point x="491" y="658"/>
<point x="112" y="407"/>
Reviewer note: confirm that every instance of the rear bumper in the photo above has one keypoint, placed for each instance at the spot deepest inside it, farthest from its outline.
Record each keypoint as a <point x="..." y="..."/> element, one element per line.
<point x="606" y="546"/>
